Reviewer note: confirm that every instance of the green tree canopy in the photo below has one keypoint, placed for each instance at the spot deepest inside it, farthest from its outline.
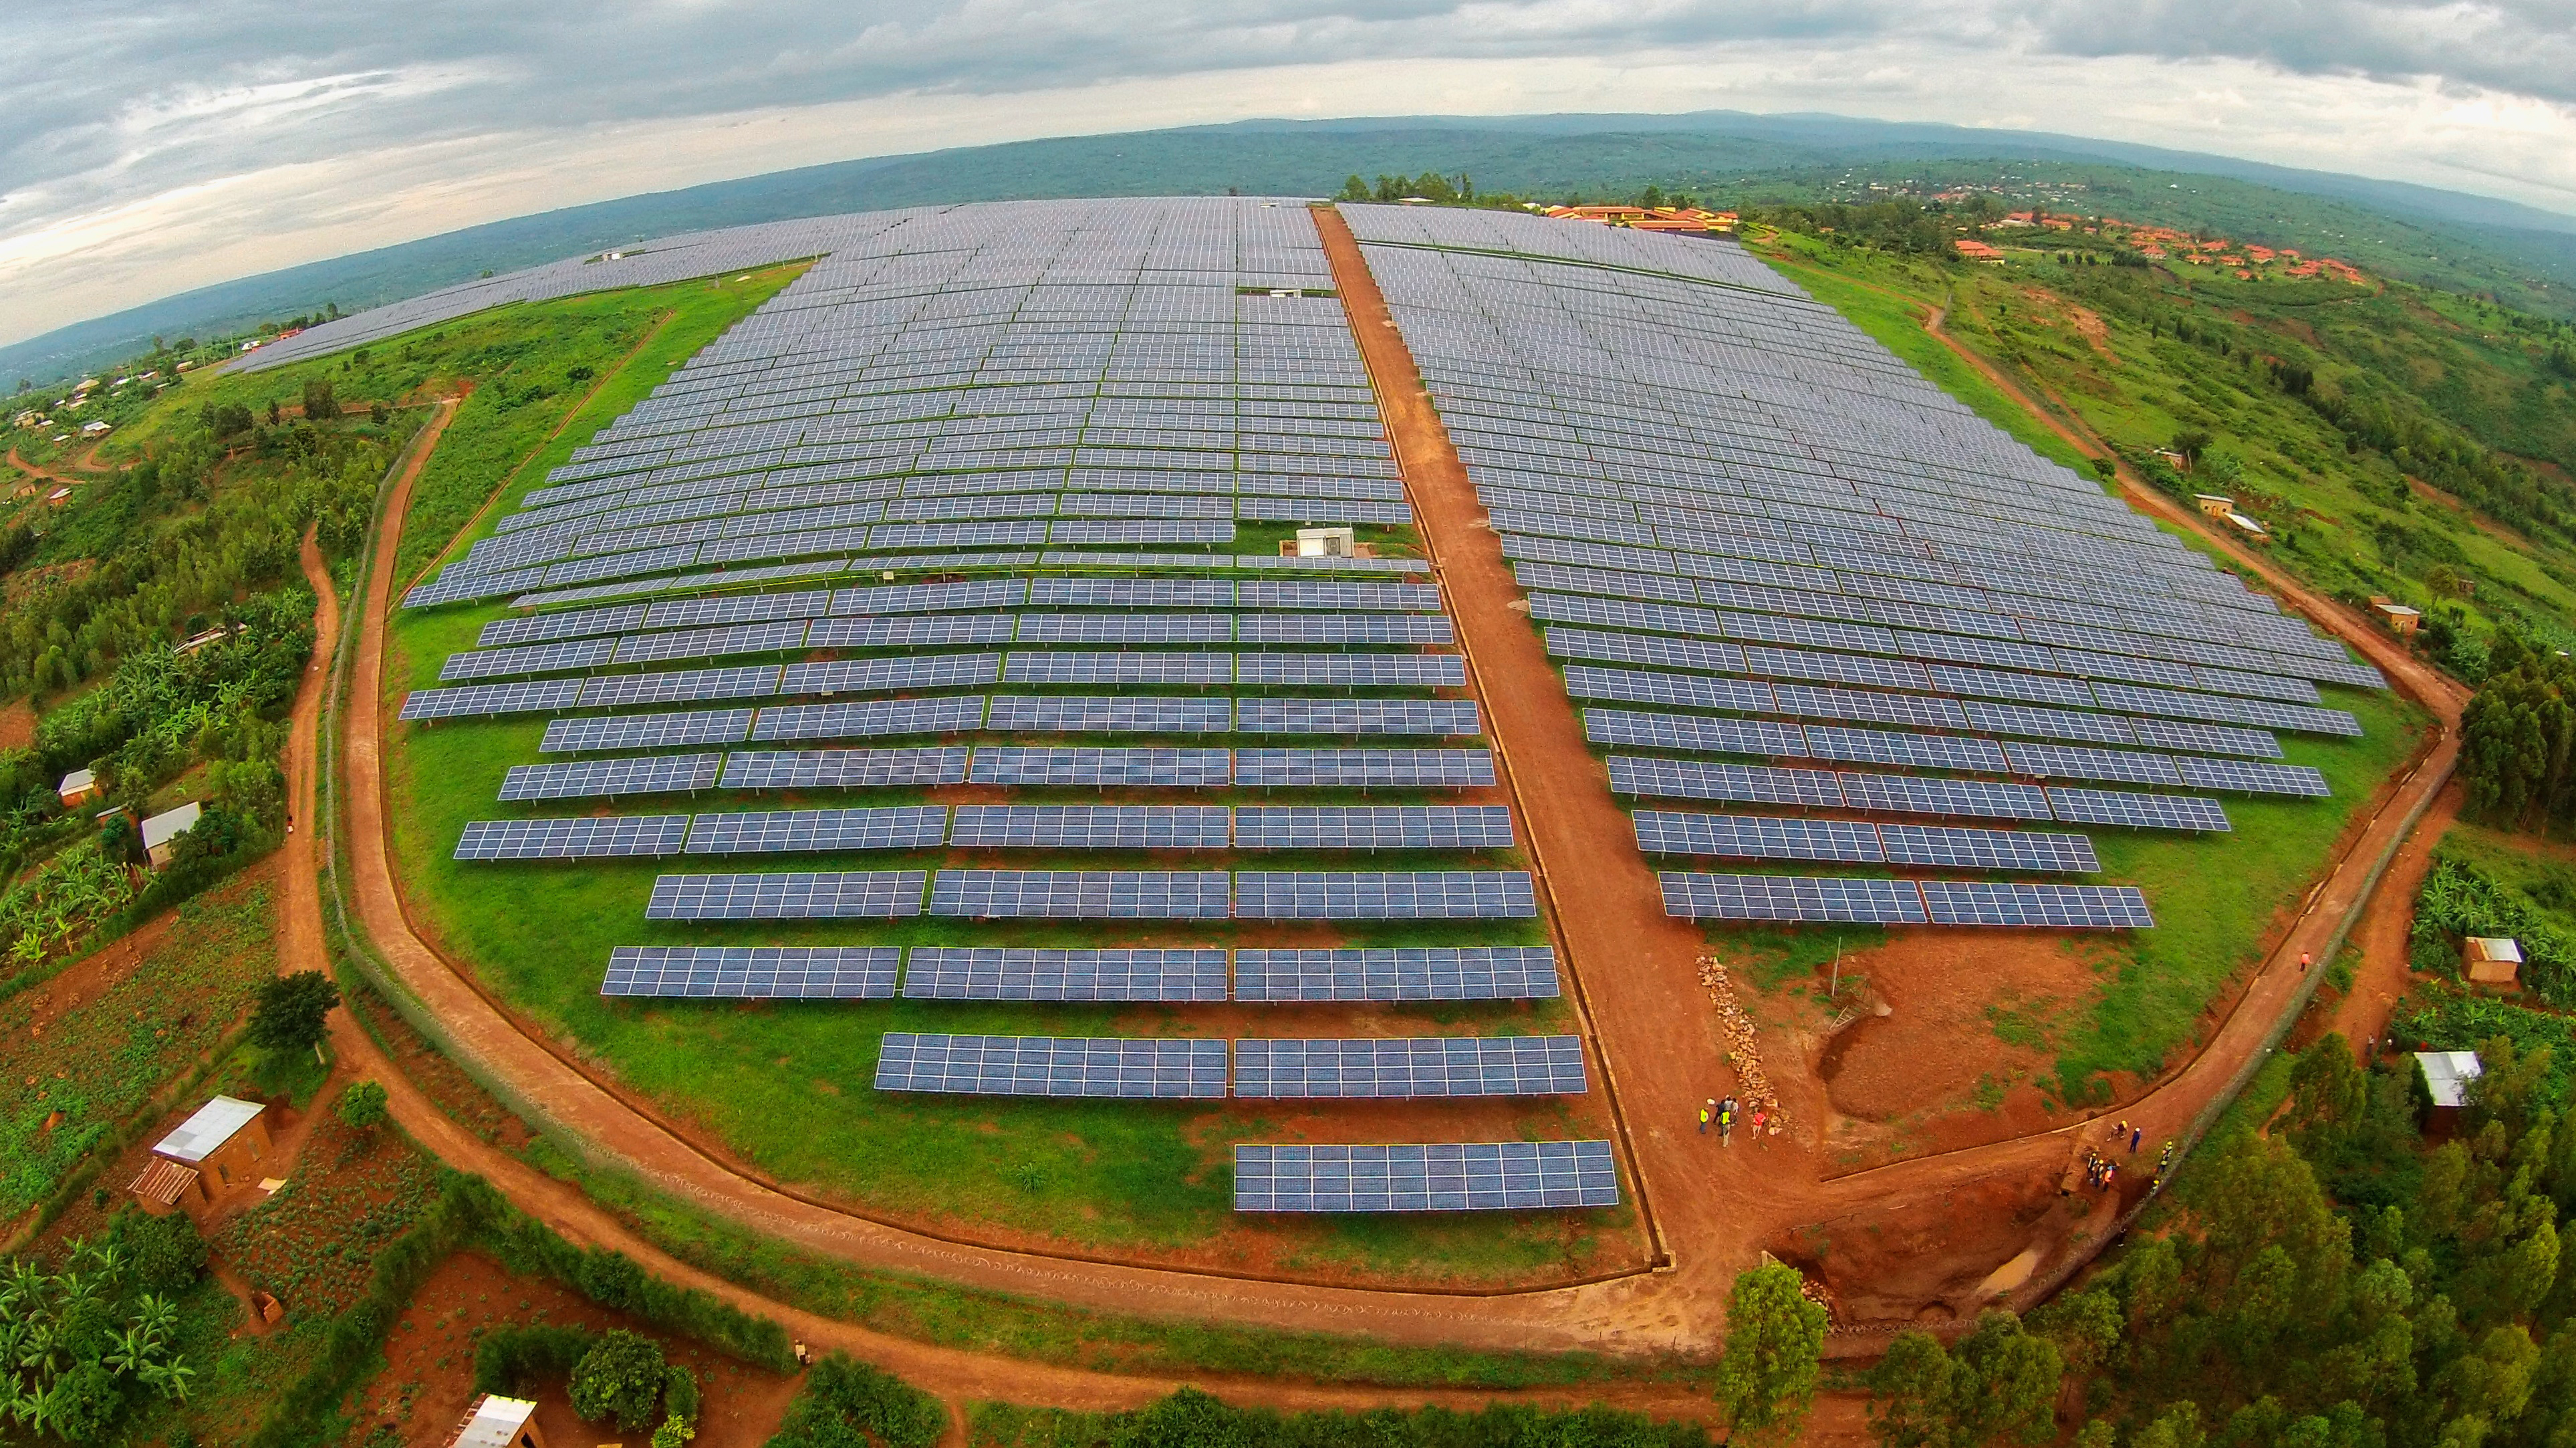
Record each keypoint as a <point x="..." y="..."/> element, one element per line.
<point x="1766" y="1380"/>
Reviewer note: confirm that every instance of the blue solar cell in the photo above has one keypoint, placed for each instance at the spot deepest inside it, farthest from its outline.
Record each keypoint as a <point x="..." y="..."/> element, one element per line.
<point x="1057" y="1066"/>
<point x="845" y="768"/>
<point x="1441" y="1177"/>
<point x="937" y="972"/>
<point x="871" y="718"/>
<point x="1489" y="972"/>
<point x="870" y="894"/>
<point x="1373" y="827"/>
<point x="1080" y="894"/>
<point x="2137" y="811"/>
<point x="1756" y="837"/>
<point x="590" y="733"/>
<point x="757" y="972"/>
<point x="1384" y="895"/>
<point x="2059" y="907"/>
<point x="1740" y="783"/>
<point x="1408" y="1067"/>
<point x="1788" y="898"/>
<point x="1090" y="827"/>
<point x="1364" y="768"/>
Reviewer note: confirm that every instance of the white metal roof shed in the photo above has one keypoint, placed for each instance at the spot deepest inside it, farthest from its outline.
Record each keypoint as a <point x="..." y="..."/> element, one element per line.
<point x="2449" y="1073"/>
<point x="215" y="1123"/>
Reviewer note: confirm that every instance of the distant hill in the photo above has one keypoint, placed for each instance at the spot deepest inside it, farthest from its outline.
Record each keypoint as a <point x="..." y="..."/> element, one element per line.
<point x="2525" y="256"/>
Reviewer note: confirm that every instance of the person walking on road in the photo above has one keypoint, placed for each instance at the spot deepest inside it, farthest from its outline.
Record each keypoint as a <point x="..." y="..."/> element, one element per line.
<point x="1705" y="1112"/>
<point x="2137" y="1134"/>
<point x="2303" y="962"/>
<point x="1758" y="1115"/>
<point x="1726" y="1122"/>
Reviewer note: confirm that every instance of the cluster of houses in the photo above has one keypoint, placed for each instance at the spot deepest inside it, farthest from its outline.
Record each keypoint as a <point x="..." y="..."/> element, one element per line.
<point x="1684" y="219"/>
<point x="161" y="832"/>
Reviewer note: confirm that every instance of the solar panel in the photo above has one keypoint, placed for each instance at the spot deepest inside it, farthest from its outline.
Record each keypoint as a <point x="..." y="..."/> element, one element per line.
<point x="600" y="837"/>
<point x="1379" y="827"/>
<point x="1735" y="696"/>
<point x="981" y="593"/>
<point x="1806" y="701"/>
<point x="545" y="627"/>
<point x="910" y="631"/>
<point x="775" y="637"/>
<point x="1975" y="849"/>
<point x="1739" y="783"/>
<point x="937" y="972"/>
<point x="870" y="718"/>
<point x="1345" y="628"/>
<point x="1466" y="973"/>
<point x="1126" y="628"/>
<point x="1436" y="671"/>
<point x="1057" y="1066"/>
<point x="1363" y="768"/>
<point x="2048" y="723"/>
<point x="1389" y="895"/>
<point x="1131" y="593"/>
<point x="2244" y="776"/>
<point x="903" y="827"/>
<point x="1441" y="1177"/>
<point x="592" y="733"/>
<point x="1921" y="751"/>
<point x="1109" y="714"/>
<point x="1756" y="837"/>
<point x="1130" y="667"/>
<point x="1408" y="1067"/>
<point x="884" y="676"/>
<point x="845" y="768"/>
<point x="754" y="972"/>
<point x="857" y="895"/>
<point x="1762" y="738"/>
<point x="1789" y="898"/>
<point x="2137" y="811"/>
<point x="684" y="686"/>
<point x="609" y="778"/>
<point x="1357" y="716"/>
<point x="2205" y="738"/>
<point x="2060" y="761"/>
<point x="1961" y="798"/>
<point x="1080" y="894"/>
<point x="1648" y="649"/>
<point x="2063" y="907"/>
<point x="554" y="658"/>
<point x="483" y="701"/>
<point x="1090" y="827"/>
<point x="1326" y="596"/>
<point x="1162" y="768"/>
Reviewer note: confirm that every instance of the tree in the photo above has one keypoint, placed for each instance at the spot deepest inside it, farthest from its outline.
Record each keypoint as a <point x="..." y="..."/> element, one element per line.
<point x="1354" y="189"/>
<point x="292" y="1011"/>
<point x="2005" y="1388"/>
<point x="1767" y="1378"/>
<point x="164" y="1254"/>
<point x="320" y="405"/>
<point x="1910" y="1387"/>
<point x="2191" y="442"/>
<point x="621" y="1376"/>
<point x="362" y="1105"/>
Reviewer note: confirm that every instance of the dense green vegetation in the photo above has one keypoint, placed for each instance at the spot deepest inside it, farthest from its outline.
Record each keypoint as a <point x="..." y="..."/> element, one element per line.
<point x="90" y="1338"/>
<point x="2346" y="1279"/>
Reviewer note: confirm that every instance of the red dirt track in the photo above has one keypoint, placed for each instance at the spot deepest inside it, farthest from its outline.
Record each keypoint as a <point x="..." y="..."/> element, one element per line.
<point x="1712" y="1210"/>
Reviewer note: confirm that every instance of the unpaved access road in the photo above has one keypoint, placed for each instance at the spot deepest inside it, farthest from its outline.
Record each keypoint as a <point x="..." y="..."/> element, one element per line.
<point x="1714" y="1210"/>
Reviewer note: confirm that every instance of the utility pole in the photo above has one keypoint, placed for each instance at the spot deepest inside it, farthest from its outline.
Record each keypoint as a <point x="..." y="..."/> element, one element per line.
<point x="1835" y="990"/>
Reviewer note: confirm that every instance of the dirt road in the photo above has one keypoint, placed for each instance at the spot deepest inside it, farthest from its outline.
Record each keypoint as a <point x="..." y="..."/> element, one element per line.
<point x="1650" y="1025"/>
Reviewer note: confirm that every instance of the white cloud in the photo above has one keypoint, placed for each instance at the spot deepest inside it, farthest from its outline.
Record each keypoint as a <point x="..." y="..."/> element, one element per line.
<point x="214" y="156"/>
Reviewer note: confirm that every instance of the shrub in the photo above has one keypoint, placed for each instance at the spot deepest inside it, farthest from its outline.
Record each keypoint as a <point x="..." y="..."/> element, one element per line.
<point x="680" y="1393"/>
<point x="362" y="1105"/>
<point x="162" y="1254"/>
<point x="851" y="1405"/>
<point x="620" y="1375"/>
<point x="291" y="1009"/>
<point x="511" y="1360"/>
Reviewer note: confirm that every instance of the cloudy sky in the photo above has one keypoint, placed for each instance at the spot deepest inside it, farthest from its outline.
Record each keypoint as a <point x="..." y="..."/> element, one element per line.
<point x="146" y="148"/>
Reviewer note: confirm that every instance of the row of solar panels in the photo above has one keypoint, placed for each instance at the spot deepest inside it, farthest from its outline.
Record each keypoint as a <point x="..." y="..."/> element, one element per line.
<point x="1099" y="895"/>
<point x="1002" y="561"/>
<point x="1971" y="754"/>
<point x="1883" y="657"/>
<point x="1910" y="794"/>
<point x="995" y="826"/>
<point x="796" y="635"/>
<point x="1011" y="714"/>
<point x="1932" y="711"/>
<point x="1429" y="1177"/>
<point x="940" y="972"/>
<point x="739" y="532"/>
<point x="996" y="764"/>
<point x="1265" y="1068"/>
<point x="1837" y="899"/>
<point x="1940" y="609"/>
<point x="946" y="671"/>
<point x="977" y="595"/>
<point x="936" y="671"/>
<point x="1777" y="837"/>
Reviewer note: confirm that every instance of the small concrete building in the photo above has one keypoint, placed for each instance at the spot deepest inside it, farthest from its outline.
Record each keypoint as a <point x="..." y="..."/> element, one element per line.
<point x="225" y="1141"/>
<point x="100" y="428"/>
<point x="2214" y="506"/>
<point x="2491" y="960"/>
<point x="1325" y="543"/>
<point x="2399" y="618"/>
<point x="78" y="788"/>
<point x="499" y="1422"/>
<point x="2447" y="1075"/>
<point x="161" y="832"/>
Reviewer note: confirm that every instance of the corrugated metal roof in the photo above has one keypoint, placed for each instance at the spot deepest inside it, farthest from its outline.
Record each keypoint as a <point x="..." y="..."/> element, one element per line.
<point x="215" y="1123"/>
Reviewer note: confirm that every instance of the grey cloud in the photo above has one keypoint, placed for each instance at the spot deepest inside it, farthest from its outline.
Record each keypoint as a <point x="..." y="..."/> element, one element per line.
<point x="2527" y="47"/>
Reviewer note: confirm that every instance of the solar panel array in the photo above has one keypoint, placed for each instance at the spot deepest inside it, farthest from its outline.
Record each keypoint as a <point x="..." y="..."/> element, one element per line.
<point x="1437" y="1177"/>
<point x="1850" y="569"/>
<point x="1842" y="899"/>
<point x="985" y="471"/>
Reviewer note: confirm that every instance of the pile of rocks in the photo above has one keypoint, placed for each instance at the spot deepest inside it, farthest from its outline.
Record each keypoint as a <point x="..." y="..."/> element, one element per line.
<point x="1741" y="1050"/>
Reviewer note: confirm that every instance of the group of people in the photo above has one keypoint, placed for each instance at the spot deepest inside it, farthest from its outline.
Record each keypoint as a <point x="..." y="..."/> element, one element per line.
<point x="1723" y="1114"/>
<point x="2099" y="1171"/>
